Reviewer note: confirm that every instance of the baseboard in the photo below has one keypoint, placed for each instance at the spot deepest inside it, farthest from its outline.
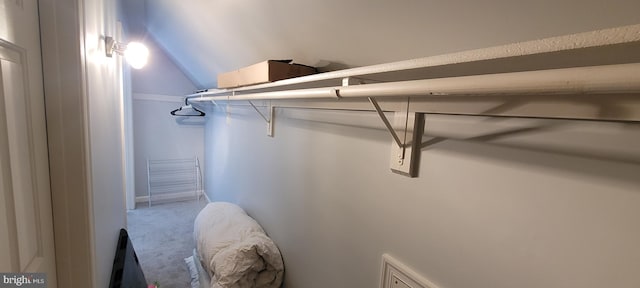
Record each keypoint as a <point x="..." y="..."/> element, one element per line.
<point x="171" y="196"/>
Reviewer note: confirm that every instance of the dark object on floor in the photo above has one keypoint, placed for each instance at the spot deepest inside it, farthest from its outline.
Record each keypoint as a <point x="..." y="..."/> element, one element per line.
<point x="126" y="271"/>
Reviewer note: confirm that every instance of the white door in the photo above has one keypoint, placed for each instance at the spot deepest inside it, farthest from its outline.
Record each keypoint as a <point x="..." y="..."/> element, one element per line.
<point x="26" y="226"/>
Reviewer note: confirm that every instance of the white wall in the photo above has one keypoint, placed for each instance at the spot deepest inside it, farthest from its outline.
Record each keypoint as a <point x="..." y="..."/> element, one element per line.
<point x="548" y="213"/>
<point x="553" y="207"/>
<point x="161" y="75"/>
<point x="104" y="132"/>
<point x="210" y="37"/>
<point x="84" y="126"/>
<point x="157" y="135"/>
<point x="157" y="89"/>
<point x="548" y="207"/>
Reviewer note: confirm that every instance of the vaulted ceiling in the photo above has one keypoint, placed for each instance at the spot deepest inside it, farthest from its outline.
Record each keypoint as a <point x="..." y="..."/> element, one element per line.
<point x="206" y="37"/>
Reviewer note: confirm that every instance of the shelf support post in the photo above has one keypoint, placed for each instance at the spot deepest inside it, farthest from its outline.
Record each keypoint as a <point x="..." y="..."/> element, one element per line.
<point x="269" y="120"/>
<point x="386" y="122"/>
<point x="405" y="154"/>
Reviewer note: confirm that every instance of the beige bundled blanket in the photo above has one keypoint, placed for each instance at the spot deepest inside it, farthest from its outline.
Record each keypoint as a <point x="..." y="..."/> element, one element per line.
<point x="234" y="249"/>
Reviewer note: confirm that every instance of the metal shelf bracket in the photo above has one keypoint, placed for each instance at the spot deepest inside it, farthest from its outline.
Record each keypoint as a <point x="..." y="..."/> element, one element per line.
<point x="269" y="119"/>
<point x="405" y="152"/>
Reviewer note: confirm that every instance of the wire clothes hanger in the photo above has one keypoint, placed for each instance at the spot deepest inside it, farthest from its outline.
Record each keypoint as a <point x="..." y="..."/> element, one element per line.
<point x="187" y="110"/>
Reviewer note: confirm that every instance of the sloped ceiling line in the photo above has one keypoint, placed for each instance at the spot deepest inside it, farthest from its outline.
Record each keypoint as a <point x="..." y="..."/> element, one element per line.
<point x="207" y="37"/>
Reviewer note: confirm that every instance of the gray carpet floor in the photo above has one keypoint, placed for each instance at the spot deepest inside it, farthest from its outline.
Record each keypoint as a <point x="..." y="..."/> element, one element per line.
<point x="162" y="237"/>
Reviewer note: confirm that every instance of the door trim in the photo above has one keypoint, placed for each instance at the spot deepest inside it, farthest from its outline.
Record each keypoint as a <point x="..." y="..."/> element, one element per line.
<point x="62" y="39"/>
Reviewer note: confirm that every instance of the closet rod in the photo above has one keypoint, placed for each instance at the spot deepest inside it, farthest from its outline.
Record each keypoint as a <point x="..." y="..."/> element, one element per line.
<point x="620" y="78"/>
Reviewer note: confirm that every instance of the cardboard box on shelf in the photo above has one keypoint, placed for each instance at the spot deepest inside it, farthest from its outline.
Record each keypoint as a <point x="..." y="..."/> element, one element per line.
<point x="263" y="72"/>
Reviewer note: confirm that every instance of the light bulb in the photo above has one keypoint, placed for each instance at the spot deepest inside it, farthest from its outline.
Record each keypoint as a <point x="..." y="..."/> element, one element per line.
<point x="136" y="54"/>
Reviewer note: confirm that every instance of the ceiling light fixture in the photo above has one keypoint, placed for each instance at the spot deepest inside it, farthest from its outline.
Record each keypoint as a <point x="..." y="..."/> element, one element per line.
<point x="135" y="53"/>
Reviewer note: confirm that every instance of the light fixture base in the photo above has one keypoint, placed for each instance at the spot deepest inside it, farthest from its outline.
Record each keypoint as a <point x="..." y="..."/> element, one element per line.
<point x="135" y="53"/>
<point x="109" y="44"/>
<point x="113" y="46"/>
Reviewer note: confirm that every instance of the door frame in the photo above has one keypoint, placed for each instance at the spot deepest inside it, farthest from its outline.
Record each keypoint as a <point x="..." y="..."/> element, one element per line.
<point x="62" y="38"/>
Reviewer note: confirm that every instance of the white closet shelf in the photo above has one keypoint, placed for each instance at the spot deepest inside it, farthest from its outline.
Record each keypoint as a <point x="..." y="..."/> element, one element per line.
<point x="590" y="76"/>
<point x="593" y="75"/>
